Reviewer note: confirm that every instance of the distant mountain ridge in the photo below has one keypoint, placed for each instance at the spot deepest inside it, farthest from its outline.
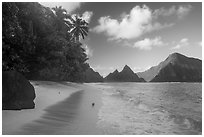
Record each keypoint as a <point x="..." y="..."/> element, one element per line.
<point x="126" y="75"/>
<point x="175" y="68"/>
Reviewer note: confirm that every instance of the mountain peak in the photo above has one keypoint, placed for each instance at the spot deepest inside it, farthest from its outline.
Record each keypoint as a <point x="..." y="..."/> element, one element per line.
<point x="176" y="67"/>
<point x="127" y="70"/>
<point x="126" y="67"/>
<point x="175" y="58"/>
<point x="176" y="55"/>
<point x="116" y="71"/>
<point x="92" y="76"/>
<point x="126" y="75"/>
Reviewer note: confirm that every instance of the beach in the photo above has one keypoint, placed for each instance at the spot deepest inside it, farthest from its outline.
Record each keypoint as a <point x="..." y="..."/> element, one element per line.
<point x="65" y="108"/>
<point x="60" y="108"/>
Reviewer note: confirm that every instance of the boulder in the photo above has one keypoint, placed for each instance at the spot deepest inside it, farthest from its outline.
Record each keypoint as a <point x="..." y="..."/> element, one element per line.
<point x="17" y="91"/>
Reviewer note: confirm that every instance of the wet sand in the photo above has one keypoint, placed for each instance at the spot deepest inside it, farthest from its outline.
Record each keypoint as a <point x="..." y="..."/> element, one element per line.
<point x="61" y="108"/>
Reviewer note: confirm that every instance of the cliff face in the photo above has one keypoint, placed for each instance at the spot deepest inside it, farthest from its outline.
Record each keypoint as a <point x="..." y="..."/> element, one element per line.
<point x="175" y="68"/>
<point x="126" y="75"/>
<point x="92" y="76"/>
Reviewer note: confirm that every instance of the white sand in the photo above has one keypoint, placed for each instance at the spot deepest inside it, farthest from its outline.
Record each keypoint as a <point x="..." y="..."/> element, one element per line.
<point x="47" y="94"/>
<point x="57" y="111"/>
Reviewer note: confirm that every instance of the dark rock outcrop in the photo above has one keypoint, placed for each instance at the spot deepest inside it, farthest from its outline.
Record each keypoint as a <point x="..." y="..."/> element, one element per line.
<point x="126" y="75"/>
<point x="92" y="76"/>
<point x="176" y="68"/>
<point x="17" y="92"/>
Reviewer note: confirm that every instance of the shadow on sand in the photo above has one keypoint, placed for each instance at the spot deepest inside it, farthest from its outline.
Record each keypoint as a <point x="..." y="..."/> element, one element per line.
<point x="55" y="118"/>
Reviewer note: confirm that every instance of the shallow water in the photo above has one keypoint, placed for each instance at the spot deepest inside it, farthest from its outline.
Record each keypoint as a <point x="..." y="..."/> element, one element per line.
<point x="151" y="108"/>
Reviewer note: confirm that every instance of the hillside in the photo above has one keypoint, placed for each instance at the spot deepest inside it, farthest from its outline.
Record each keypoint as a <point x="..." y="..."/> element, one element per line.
<point x="175" y="68"/>
<point x="92" y="76"/>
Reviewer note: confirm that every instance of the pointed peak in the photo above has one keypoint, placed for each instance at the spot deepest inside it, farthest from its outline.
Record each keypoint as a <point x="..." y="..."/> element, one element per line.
<point x="126" y="67"/>
<point x="116" y="71"/>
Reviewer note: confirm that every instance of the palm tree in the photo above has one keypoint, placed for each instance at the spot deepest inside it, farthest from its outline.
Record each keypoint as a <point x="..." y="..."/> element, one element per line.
<point x="61" y="16"/>
<point x="79" y="27"/>
<point x="65" y="22"/>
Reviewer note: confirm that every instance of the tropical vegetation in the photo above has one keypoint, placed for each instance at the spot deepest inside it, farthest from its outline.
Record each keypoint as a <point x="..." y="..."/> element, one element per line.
<point x="43" y="43"/>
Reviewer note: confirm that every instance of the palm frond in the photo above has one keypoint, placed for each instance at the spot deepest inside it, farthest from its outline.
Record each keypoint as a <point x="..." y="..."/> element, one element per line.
<point x="84" y="32"/>
<point x="82" y="35"/>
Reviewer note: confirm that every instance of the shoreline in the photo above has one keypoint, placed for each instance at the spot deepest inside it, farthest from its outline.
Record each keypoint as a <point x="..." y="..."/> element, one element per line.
<point x="54" y="118"/>
<point x="69" y="112"/>
<point x="73" y="114"/>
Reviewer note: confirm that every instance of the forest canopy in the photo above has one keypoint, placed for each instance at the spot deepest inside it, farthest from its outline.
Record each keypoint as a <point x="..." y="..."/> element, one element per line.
<point x="43" y="43"/>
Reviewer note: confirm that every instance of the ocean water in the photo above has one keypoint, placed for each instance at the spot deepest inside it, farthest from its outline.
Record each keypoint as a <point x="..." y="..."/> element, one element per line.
<point x="151" y="108"/>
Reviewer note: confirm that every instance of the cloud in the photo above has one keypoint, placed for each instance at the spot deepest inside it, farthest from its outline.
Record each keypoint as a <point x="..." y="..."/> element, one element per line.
<point x="182" y="43"/>
<point x="88" y="50"/>
<point x="179" y="11"/>
<point x="132" y="25"/>
<point x="147" y="44"/>
<point x="139" y="21"/>
<point x="183" y="11"/>
<point x="87" y="16"/>
<point x="69" y="6"/>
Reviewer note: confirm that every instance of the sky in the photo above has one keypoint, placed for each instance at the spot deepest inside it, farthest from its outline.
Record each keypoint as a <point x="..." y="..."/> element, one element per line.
<point x="139" y="35"/>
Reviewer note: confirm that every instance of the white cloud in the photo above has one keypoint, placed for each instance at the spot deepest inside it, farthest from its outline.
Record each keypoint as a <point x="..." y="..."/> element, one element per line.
<point x="69" y="6"/>
<point x="147" y="44"/>
<point x="182" y="43"/>
<point x="88" y="50"/>
<point x="87" y="16"/>
<point x="179" y="11"/>
<point x="164" y="12"/>
<point x="183" y="11"/>
<point x="132" y="25"/>
<point x="139" y="21"/>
